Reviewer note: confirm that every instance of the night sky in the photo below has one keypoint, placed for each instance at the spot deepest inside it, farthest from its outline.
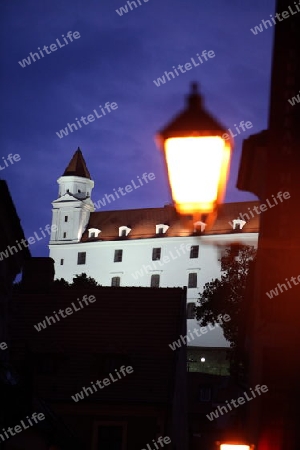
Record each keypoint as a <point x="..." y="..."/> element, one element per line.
<point x="116" y="59"/>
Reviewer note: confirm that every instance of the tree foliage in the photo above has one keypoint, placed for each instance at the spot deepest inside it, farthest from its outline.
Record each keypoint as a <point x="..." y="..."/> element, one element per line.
<point x="227" y="295"/>
<point x="83" y="281"/>
<point x="60" y="283"/>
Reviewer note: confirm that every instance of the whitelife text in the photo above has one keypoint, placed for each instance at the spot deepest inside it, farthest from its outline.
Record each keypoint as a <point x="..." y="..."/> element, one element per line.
<point x="53" y="48"/>
<point x="281" y="196"/>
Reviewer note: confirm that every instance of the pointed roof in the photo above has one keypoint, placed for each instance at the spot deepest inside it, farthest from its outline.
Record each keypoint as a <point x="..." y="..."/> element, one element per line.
<point x="77" y="166"/>
<point x="194" y="119"/>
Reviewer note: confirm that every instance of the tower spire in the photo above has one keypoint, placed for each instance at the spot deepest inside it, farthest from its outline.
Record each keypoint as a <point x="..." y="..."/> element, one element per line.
<point x="77" y="166"/>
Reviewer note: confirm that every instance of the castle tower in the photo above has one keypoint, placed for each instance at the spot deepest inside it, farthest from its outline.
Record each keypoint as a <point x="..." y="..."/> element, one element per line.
<point x="71" y="211"/>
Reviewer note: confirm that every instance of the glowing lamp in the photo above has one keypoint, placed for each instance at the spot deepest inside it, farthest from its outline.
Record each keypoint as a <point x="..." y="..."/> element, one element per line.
<point x="197" y="158"/>
<point x="234" y="447"/>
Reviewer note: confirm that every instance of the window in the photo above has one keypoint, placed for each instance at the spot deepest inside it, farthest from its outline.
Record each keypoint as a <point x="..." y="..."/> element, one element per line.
<point x="110" y="436"/>
<point x="81" y="258"/>
<point x="118" y="255"/>
<point x="199" y="227"/>
<point x="192" y="283"/>
<point x="66" y="218"/>
<point x="156" y="252"/>
<point x="238" y="224"/>
<point x="93" y="232"/>
<point x="205" y="394"/>
<point x="61" y="262"/>
<point x="155" y="281"/>
<point x="65" y="234"/>
<point x="124" y="231"/>
<point x="161" y="228"/>
<point x="194" y="253"/>
<point x="190" y="311"/>
<point x="115" y="281"/>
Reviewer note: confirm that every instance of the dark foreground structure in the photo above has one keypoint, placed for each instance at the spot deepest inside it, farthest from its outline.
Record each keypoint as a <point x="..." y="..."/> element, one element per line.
<point x="11" y="232"/>
<point x="100" y="367"/>
<point x="270" y="165"/>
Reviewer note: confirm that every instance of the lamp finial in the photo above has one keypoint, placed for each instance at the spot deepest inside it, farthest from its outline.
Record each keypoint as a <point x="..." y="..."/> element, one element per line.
<point x="195" y="98"/>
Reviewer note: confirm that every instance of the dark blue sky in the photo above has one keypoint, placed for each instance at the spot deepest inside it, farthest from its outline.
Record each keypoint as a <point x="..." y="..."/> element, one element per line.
<point x="116" y="59"/>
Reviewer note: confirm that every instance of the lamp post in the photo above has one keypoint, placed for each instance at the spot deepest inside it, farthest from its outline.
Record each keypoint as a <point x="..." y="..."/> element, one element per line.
<point x="197" y="158"/>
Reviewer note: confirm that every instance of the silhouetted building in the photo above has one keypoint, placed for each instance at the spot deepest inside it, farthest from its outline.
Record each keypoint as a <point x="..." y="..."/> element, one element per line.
<point x="274" y="338"/>
<point x="208" y="394"/>
<point x="12" y="259"/>
<point x="71" y="339"/>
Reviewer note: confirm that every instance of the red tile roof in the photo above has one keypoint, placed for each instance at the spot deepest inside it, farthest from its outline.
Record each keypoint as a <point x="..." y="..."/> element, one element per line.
<point x="143" y="221"/>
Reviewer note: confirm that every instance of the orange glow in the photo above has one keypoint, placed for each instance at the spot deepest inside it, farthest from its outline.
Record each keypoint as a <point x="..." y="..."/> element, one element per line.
<point x="198" y="169"/>
<point x="234" y="447"/>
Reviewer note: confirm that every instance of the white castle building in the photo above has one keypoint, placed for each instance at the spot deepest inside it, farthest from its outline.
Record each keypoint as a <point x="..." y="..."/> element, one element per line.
<point x="142" y="247"/>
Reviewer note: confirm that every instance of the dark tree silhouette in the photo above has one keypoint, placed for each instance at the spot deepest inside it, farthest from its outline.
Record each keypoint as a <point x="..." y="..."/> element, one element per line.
<point x="230" y="295"/>
<point x="60" y="283"/>
<point x="83" y="281"/>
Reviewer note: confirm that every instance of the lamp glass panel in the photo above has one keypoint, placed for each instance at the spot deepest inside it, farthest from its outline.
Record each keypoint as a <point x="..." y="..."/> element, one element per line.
<point x="234" y="447"/>
<point x="197" y="170"/>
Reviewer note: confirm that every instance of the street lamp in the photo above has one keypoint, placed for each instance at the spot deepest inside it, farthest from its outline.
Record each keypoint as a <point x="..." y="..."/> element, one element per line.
<point x="234" y="440"/>
<point x="197" y="157"/>
<point x="235" y="447"/>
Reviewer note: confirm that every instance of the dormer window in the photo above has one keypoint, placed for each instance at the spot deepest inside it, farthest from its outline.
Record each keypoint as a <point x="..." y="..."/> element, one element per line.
<point x="199" y="226"/>
<point x="93" y="232"/>
<point x="238" y="224"/>
<point x="124" y="231"/>
<point x="161" y="228"/>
